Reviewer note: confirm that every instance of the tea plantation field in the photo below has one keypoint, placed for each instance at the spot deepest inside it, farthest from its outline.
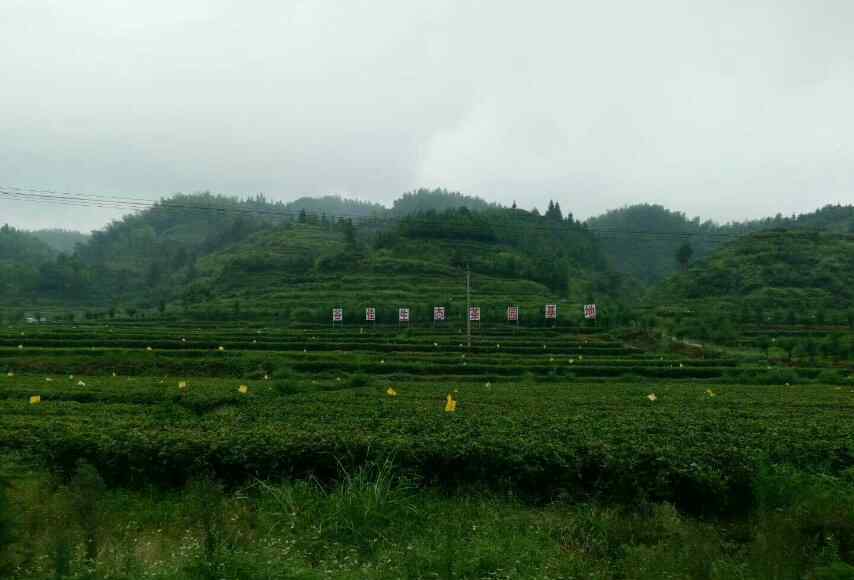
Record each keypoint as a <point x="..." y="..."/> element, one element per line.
<point x="543" y="413"/>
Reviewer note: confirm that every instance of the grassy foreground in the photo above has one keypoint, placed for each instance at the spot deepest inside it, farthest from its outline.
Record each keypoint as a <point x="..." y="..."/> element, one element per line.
<point x="373" y="524"/>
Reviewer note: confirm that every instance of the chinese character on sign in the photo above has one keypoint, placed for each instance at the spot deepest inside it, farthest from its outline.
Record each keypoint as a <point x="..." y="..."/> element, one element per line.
<point x="513" y="313"/>
<point x="474" y="313"/>
<point x="590" y="311"/>
<point x="403" y="315"/>
<point x="438" y="313"/>
<point x="337" y="314"/>
<point x="551" y="311"/>
<point x="370" y="314"/>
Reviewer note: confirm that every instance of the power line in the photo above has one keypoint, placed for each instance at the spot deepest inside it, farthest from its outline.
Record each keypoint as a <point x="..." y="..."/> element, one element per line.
<point x="46" y="196"/>
<point x="77" y="200"/>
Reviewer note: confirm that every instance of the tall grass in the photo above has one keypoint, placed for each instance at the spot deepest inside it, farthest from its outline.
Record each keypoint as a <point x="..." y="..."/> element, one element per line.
<point x="371" y="523"/>
<point x="357" y="511"/>
<point x="7" y="536"/>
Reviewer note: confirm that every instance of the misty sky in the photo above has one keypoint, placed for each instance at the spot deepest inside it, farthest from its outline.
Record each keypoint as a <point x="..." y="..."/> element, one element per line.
<point x="726" y="110"/>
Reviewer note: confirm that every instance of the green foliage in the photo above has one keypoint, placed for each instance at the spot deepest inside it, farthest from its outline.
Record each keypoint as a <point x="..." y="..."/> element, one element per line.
<point x="356" y="511"/>
<point x="453" y="224"/>
<point x="205" y="506"/>
<point x="649" y="257"/>
<point x="797" y="271"/>
<point x="7" y="527"/>
<point x="64" y="241"/>
<point x="513" y="432"/>
<point x="780" y="376"/>
<point x="334" y="206"/>
<point x="835" y="571"/>
<point x="684" y="254"/>
<point x="21" y="256"/>
<point x="652" y="258"/>
<point x="207" y="251"/>
<point x="437" y="200"/>
<point x="359" y="380"/>
<point x="812" y="511"/>
<point x="86" y="488"/>
<point x="369" y="523"/>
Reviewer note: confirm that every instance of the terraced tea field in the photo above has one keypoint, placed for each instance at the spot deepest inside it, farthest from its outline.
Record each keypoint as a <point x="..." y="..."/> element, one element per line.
<point x="545" y="412"/>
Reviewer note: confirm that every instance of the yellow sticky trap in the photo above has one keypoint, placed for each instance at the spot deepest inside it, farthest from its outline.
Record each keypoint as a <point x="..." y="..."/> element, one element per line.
<point x="35" y="400"/>
<point x="450" y="404"/>
<point x="391" y="392"/>
<point x="243" y="389"/>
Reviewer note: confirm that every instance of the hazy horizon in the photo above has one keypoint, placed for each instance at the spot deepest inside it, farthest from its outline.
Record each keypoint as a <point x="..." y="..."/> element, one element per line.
<point x="727" y="112"/>
<point x="118" y="214"/>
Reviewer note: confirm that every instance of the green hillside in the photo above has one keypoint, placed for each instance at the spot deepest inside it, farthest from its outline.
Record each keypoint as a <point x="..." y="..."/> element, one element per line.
<point x="642" y="240"/>
<point x="776" y="269"/>
<point x="22" y="256"/>
<point x="301" y="270"/>
<point x="422" y="200"/>
<point x="209" y="256"/>
<point x="332" y="205"/>
<point x="206" y="255"/>
<point x="64" y="241"/>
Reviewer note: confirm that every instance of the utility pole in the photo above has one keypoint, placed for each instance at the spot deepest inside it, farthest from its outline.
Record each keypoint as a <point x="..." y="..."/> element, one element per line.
<point x="468" y="306"/>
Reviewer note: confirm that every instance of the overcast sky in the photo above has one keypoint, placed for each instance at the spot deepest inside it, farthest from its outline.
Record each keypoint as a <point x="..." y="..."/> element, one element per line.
<point x="726" y="110"/>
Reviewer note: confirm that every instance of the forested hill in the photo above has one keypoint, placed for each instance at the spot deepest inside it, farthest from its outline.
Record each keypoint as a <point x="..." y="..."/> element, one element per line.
<point x="423" y="200"/>
<point x="203" y="252"/>
<point x="335" y="206"/>
<point x="64" y="241"/>
<point x="796" y="270"/>
<point x="643" y="240"/>
<point x="303" y="268"/>
<point x="200" y="251"/>
<point x="21" y="256"/>
<point x="417" y="201"/>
